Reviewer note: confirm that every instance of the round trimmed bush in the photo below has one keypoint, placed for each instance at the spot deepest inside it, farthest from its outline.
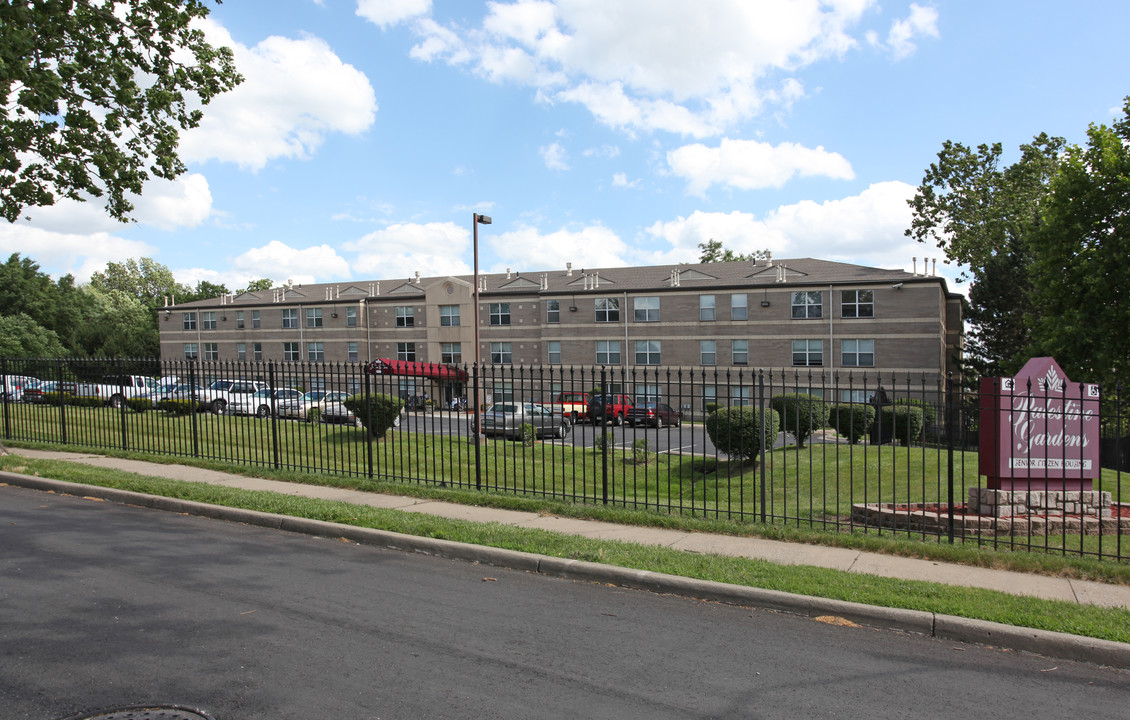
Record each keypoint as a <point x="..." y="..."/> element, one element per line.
<point x="801" y="414"/>
<point x="736" y="431"/>
<point x="852" y="421"/>
<point x="378" y="416"/>
<point x="904" y="422"/>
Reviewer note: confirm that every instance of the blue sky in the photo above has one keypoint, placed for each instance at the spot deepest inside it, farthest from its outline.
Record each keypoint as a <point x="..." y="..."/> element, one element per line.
<point x="597" y="132"/>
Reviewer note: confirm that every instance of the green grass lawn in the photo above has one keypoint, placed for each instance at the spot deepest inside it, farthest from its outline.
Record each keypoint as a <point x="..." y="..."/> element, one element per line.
<point x="814" y="486"/>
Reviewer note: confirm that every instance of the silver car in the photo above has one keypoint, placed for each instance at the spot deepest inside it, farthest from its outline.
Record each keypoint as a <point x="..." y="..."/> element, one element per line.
<point x="507" y="419"/>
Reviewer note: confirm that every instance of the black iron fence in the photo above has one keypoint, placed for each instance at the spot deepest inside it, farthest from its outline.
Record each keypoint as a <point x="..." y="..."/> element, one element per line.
<point x="890" y="454"/>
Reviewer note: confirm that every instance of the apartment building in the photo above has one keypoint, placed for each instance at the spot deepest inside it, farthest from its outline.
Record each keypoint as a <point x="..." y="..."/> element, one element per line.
<point x="789" y="315"/>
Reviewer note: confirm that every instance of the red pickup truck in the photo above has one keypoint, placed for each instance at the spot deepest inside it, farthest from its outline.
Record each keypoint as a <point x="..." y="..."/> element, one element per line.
<point x="610" y="408"/>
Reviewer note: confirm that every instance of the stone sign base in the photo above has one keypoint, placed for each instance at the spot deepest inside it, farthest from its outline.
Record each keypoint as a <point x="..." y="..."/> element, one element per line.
<point x="934" y="519"/>
<point x="1007" y="503"/>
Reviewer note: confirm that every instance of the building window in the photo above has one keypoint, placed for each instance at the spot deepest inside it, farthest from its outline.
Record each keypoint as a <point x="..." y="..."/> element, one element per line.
<point x="502" y="392"/>
<point x="449" y="315"/>
<point x="648" y="352"/>
<point x="238" y="319"/>
<point x="857" y="353"/>
<point x="211" y="351"/>
<point x="857" y="396"/>
<point x="254" y="319"/>
<point x="190" y="352"/>
<point x="553" y="311"/>
<point x="553" y="352"/>
<point x="648" y="393"/>
<point x="313" y="317"/>
<point x="290" y="318"/>
<point x="808" y="352"/>
<point x="807" y="305"/>
<point x="708" y="352"/>
<point x="351" y="316"/>
<point x="740" y="352"/>
<point x="405" y="316"/>
<point x="607" y="309"/>
<point x="406" y="351"/>
<point x="190" y="321"/>
<point x="500" y="313"/>
<point x="857" y="303"/>
<point x="351" y="351"/>
<point x="241" y="352"/>
<point x="607" y="352"/>
<point x="315" y="351"/>
<point x="208" y="320"/>
<point x="291" y="352"/>
<point x="739" y="307"/>
<point x="706" y="308"/>
<point x="709" y="396"/>
<point x="645" y="309"/>
<point x="257" y="350"/>
<point x="500" y="353"/>
<point x="740" y="395"/>
<point x="451" y="352"/>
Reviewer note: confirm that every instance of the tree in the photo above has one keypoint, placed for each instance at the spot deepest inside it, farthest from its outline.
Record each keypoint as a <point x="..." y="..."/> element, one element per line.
<point x="95" y="94"/>
<point x="20" y="336"/>
<point x="146" y="280"/>
<point x="983" y="216"/>
<point x="1081" y="275"/>
<point x="259" y="285"/>
<point x="712" y="251"/>
<point x="55" y="306"/>
<point x="119" y="325"/>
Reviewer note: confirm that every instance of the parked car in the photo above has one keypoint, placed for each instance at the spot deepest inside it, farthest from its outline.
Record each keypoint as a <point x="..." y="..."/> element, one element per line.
<point x="610" y="408"/>
<point x="180" y="391"/>
<point x="654" y="413"/>
<point x="33" y="392"/>
<point x="300" y="407"/>
<point x="573" y="405"/>
<point x="13" y="386"/>
<point x="507" y="419"/>
<point x="114" y="390"/>
<point x="262" y="402"/>
<point x="222" y="393"/>
<point x="337" y="414"/>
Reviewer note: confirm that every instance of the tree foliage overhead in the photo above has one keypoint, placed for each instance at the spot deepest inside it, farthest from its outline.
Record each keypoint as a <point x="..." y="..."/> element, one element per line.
<point x="94" y="95"/>
<point x="1046" y="242"/>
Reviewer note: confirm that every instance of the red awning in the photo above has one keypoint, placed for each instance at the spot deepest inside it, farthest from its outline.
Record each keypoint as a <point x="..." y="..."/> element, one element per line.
<point x="436" y="371"/>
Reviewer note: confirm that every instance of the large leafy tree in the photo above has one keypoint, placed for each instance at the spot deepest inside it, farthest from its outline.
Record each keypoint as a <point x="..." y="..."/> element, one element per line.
<point x="1081" y="271"/>
<point x="20" y="336"/>
<point x="983" y="215"/>
<point x="94" y="94"/>
<point x="713" y="251"/>
<point x="55" y="306"/>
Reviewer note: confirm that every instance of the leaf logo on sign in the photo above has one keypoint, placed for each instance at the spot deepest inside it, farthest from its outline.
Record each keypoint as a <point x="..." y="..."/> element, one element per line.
<point x="1051" y="382"/>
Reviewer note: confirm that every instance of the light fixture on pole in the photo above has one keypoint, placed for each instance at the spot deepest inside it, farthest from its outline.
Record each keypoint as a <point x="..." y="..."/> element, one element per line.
<point x="477" y="220"/>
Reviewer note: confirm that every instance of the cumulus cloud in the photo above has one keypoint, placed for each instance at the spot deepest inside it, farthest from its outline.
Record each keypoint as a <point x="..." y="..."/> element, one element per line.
<point x="642" y="65"/>
<point x="750" y="165"/>
<point x="621" y="180"/>
<point x="527" y="248"/>
<point x="922" y="21"/>
<point x="403" y="249"/>
<point x="554" y="156"/>
<point x="385" y="13"/>
<point x="865" y="229"/>
<point x="279" y="261"/>
<point x="294" y="93"/>
<point x="61" y="252"/>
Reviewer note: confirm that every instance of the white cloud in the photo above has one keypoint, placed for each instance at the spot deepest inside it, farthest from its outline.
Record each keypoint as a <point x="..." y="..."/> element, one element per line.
<point x="294" y="93"/>
<point x="61" y="252"/>
<point x="866" y="229"/>
<point x="385" y="13"/>
<point x="403" y="249"/>
<point x="921" y="21"/>
<point x="554" y="156"/>
<point x="604" y="151"/>
<point x="621" y="180"/>
<point x="279" y="262"/>
<point x="642" y="65"/>
<point x="750" y="165"/>
<point x="528" y="249"/>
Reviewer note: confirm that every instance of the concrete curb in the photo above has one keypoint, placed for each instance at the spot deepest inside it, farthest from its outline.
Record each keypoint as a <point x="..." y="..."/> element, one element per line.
<point x="946" y="627"/>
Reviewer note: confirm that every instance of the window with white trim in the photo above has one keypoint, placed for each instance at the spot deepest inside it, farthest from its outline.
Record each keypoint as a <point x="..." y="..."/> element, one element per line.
<point x="406" y="351"/>
<point x="451" y="352"/>
<point x="649" y="352"/>
<point x="857" y="353"/>
<point x="190" y="351"/>
<point x="315" y="351"/>
<point x="808" y="353"/>
<point x="607" y="352"/>
<point x="553" y="352"/>
<point x="553" y="311"/>
<point x="500" y="353"/>
<point x="857" y="303"/>
<point x="500" y="313"/>
<point x="350" y="316"/>
<point x="208" y="320"/>
<point x="449" y="316"/>
<point x="708" y="352"/>
<point x="645" y="309"/>
<point x="189" y="321"/>
<point x="290" y="318"/>
<point x="351" y="352"/>
<point x="807" y="304"/>
<point x="706" y="308"/>
<point x="739" y="307"/>
<point x="405" y="316"/>
<point x="211" y="351"/>
<point x="291" y="351"/>
<point x="313" y="317"/>
<point x="739" y="352"/>
<point x="607" y="309"/>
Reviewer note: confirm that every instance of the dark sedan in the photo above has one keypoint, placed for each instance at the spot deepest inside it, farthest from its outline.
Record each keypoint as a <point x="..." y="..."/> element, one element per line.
<point x="656" y="414"/>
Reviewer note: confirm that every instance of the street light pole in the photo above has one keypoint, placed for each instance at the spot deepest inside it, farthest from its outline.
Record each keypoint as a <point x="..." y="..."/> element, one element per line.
<point x="477" y="220"/>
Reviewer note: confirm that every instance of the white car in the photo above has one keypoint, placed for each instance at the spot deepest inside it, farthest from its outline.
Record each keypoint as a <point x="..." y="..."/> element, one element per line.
<point x="300" y="407"/>
<point x="262" y="403"/>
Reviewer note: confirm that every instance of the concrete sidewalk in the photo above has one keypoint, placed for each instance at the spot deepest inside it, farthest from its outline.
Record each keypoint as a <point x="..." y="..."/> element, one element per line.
<point x="854" y="561"/>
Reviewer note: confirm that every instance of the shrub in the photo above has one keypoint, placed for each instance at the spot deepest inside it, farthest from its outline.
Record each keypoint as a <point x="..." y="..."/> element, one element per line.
<point x="95" y="402"/>
<point x="640" y="454"/>
<point x="711" y="407"/>
<point x="929" y="412"/>
<point x="736" y="431"/>
<point x="528" y="434"/>
<point x="604" y="440"/>
<point x="904" y="422"/>
<point x="315" y="414"/>
<point x="378" y="415"/>
<point x="177" y="406"/>
<point x="852" y="421"/>
<point x="139" y="404"/>
<point x="800" y="414"/>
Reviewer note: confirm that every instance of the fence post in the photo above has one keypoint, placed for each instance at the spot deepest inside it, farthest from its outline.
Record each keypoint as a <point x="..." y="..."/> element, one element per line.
<point x="950" y="430"/>
<point x="271" y="404"/>
<point x="369" y="421"/>
<point x="4" y="383"/>
<point x="122" y="406"/>
<point x="764" y="430"/>
<point x="477" y="415"/>
<point x="195" y="426"/>
<point x="62" y="405"/>
<point x="604" y="434"/>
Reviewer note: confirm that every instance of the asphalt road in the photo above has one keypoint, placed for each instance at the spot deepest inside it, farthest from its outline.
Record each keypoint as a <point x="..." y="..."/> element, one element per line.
<point x="103" y="605"/>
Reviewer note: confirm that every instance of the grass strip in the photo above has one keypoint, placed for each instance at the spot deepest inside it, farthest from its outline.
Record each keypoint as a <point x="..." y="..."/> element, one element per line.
<point x="1057" y="616"/>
